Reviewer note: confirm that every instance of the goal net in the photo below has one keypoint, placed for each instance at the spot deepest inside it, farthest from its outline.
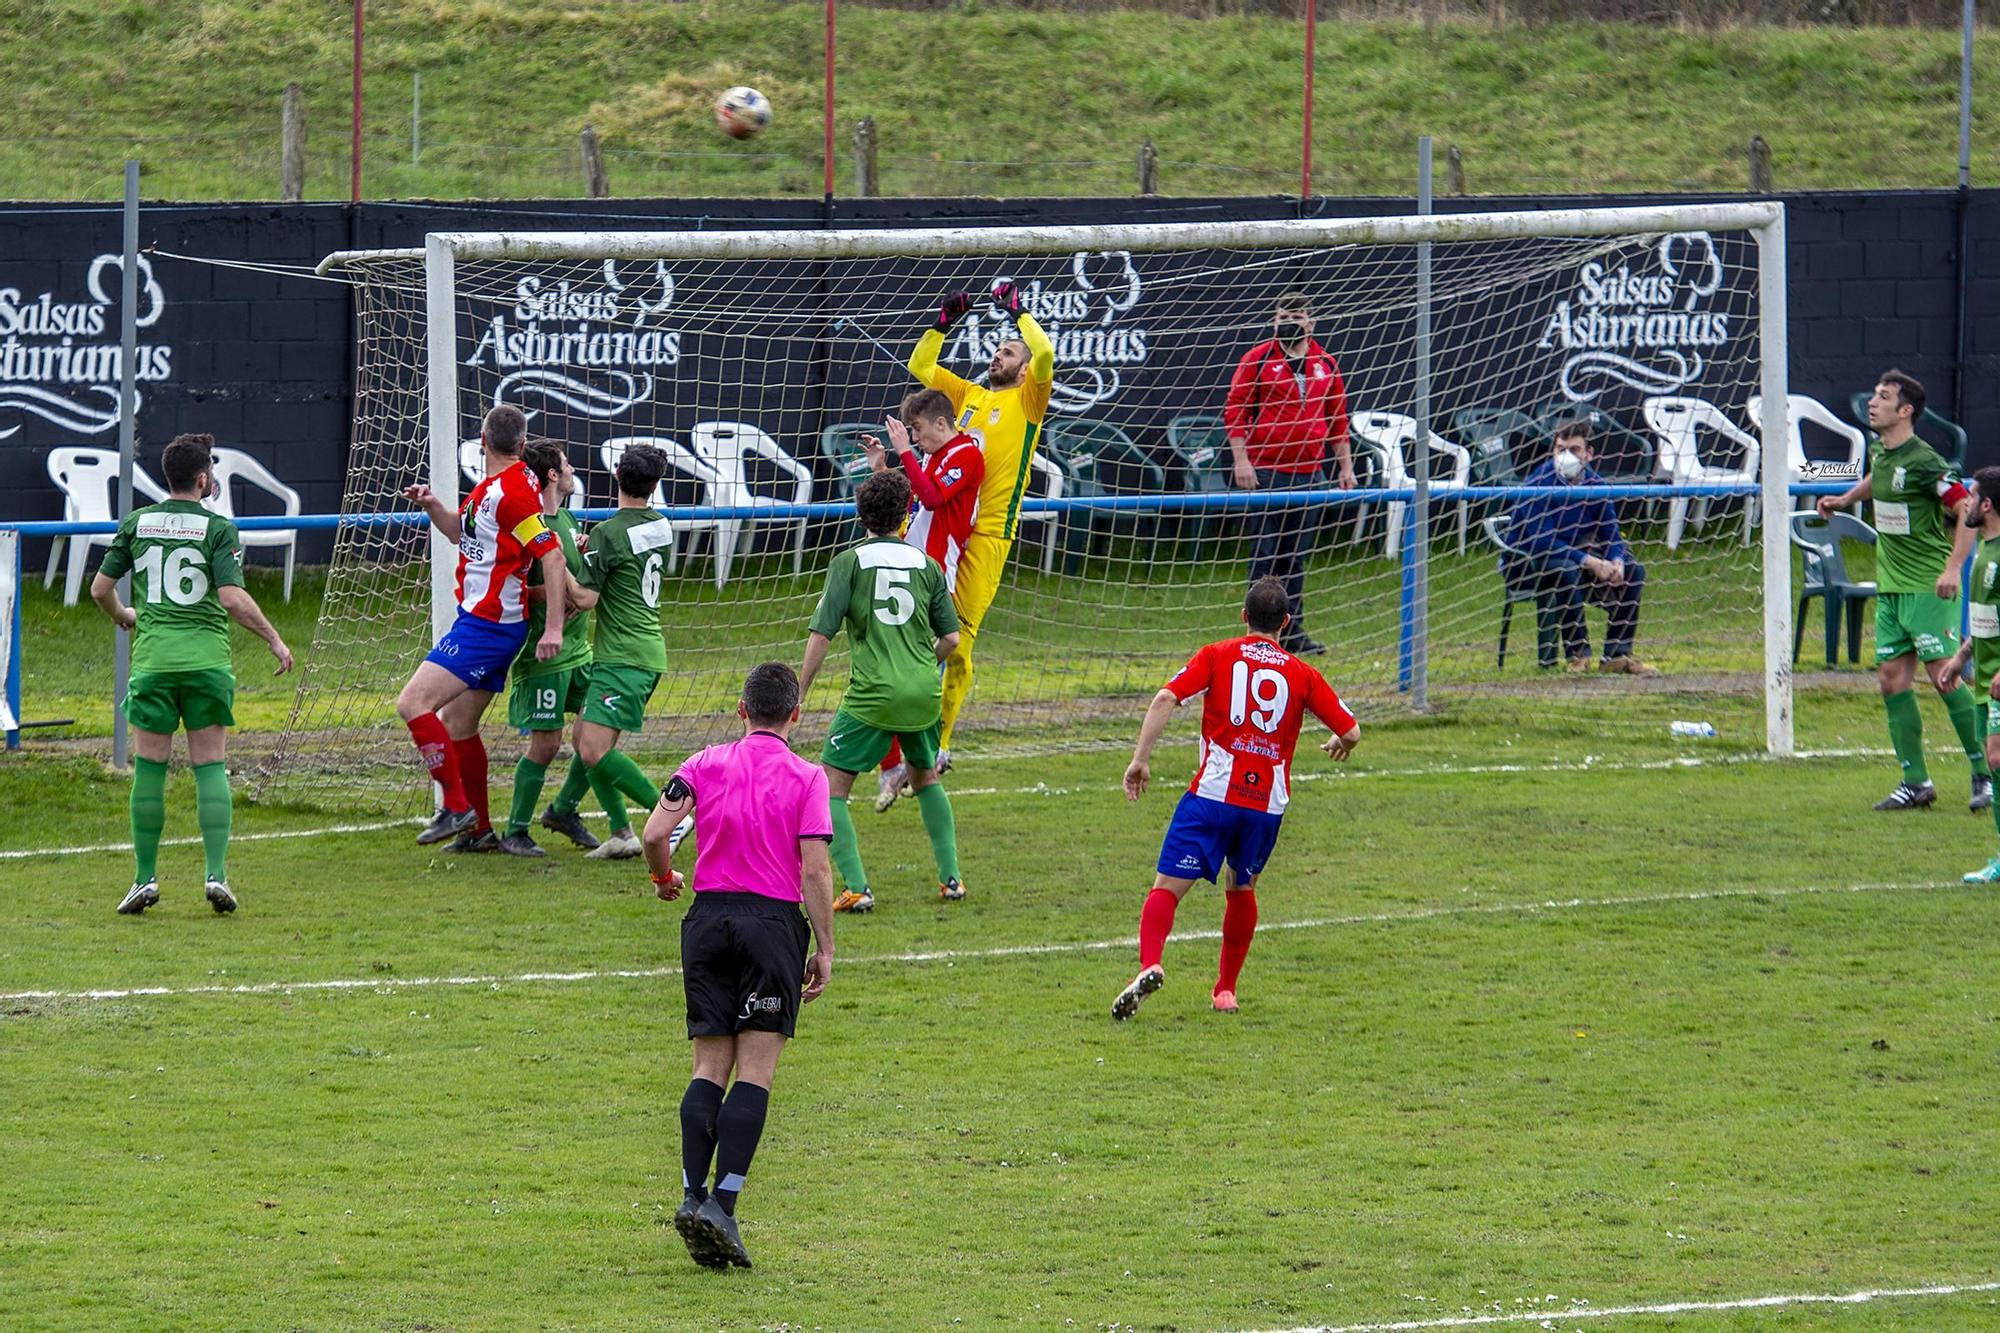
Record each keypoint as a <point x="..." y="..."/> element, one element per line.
<point x="1459" y="343"/>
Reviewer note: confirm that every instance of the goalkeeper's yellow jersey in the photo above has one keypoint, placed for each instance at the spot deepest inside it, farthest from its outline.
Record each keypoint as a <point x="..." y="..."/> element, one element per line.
<point x="1006" y="422"/>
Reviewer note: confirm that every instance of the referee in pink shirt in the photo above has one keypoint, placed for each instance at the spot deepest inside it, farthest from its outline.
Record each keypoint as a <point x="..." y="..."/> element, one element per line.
<point x="762" y="825"/>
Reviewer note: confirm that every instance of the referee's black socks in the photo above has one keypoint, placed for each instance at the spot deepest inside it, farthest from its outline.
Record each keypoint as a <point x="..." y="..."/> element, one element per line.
<point x="738" y="1126"/>
<point x="699" y="1106"/>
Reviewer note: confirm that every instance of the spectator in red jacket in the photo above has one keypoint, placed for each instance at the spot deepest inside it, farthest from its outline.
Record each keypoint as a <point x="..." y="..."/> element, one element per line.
<point x="1286" y="404"/>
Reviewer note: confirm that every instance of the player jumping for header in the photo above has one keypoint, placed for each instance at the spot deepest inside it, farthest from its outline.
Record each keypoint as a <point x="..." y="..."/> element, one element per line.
<point x="1258" y="695"/>
<point x="1005" y="417"/>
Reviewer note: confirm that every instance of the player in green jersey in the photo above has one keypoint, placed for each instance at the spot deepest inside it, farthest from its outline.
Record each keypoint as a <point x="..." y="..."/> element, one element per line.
<point x="1981" y="651"/>
<point x="542" y="693"/>
<point x="893" y="602"/>
<point x="187" y="585"/>
<point x="1920" y="546"/>
<point x="623" y="561"/>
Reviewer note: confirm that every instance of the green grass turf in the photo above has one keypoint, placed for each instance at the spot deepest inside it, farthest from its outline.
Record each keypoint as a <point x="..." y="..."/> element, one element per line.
<point x="999" y="102"/>
<point x="1758" y="1058"/>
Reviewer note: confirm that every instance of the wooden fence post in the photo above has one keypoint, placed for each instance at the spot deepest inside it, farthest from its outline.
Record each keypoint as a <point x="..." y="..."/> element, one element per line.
<point x="596" y="184"/>
<point x="1149" y="168"/>
<point x="1454" y="171"/>
<point x="293" y="169"/>
<point x="1760" y="165"/>
<point x="866" y="183"/>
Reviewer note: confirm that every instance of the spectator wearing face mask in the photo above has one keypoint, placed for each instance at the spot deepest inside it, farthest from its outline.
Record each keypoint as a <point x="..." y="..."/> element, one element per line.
<point x="1286" y="407"/>
<point x="1571" y="542"/>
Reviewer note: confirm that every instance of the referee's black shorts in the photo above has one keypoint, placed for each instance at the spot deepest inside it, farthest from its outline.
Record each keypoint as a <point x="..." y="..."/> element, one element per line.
<point x="743" y="957"/>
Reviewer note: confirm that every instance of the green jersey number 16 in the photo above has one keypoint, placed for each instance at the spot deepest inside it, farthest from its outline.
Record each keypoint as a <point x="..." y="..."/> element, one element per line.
<point x="179" y="575"/>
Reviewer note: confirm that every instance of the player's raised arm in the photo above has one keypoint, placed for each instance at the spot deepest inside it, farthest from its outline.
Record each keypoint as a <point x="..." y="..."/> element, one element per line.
<point x="441" y="515"/>
<point x="923" y="361"/>
<point x="1041" y="352"/>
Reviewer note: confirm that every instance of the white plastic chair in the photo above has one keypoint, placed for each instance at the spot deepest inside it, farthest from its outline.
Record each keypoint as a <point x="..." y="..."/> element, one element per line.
<point x="1800" y="410"/>
<point x="1054" y="482"/>
<point x="1388" y="436"/>
<point x="233" y="465"/>
<point x="88" y="479"/>
<point x="722" y="447"/>
<point x="1677" y="424"/>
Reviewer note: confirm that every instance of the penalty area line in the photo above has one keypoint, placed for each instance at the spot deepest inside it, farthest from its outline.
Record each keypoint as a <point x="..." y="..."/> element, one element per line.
<point x="1549" y="1316"/>
<point x="494" y="981"/>
<point x="1044" y="789"/>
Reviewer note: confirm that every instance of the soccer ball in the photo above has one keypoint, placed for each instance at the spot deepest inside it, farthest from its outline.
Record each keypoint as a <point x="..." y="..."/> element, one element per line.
<point x="742" y="112"/>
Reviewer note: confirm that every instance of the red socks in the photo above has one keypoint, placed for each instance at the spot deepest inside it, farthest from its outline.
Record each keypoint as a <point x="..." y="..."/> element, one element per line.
<point x="434" y="743"/>
<point x="895" y="755"/>
<point x="1239" y="924"/>
<point x="472" y="776"/>
<point x="1156" y="922"/>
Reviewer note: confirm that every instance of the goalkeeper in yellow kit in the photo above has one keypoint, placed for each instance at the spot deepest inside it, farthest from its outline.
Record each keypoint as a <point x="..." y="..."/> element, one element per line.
<point x="1005" y="417"/>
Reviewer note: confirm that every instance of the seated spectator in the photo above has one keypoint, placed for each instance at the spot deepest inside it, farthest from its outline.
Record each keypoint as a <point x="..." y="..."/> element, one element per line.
<point x="1574" y="554"/>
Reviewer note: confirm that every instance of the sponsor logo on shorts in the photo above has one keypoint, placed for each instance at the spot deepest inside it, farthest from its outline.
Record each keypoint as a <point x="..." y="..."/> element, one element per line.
<point x="1816" y="470"/>
<point x="611" y="700"/>
<point x="1190" y="863"/>
<point x="756" y="1004"/>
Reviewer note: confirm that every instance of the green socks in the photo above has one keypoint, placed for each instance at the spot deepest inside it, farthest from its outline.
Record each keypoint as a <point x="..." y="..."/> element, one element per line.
<point x="575" y="784"/>
<point x="1965" y="721"/>
<point x="149" y="816"/>
<point x="528" y="779"/>
<point x="618" y="775"/>
<point x="212" y="810"/>
<point x="935" y="807"/>
<point x="846" y="849"/>
<point x="1906" y="733"/>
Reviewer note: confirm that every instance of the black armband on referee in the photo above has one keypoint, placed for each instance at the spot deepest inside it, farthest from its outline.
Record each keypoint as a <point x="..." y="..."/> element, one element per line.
<point x="676" y="791"/>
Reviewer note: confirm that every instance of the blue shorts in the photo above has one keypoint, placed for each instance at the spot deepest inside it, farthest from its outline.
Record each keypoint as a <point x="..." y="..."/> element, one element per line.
<point x="1204" y="833"/>
<point x="479" y="651"/>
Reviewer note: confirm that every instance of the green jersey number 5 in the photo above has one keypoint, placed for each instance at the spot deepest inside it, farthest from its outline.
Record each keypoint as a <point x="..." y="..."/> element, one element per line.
<point x="178" y="575"/>
<point x="892" y="587"/>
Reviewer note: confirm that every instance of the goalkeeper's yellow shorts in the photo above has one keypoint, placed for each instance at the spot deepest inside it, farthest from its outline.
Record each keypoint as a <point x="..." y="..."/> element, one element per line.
<point x="979" y="571"/>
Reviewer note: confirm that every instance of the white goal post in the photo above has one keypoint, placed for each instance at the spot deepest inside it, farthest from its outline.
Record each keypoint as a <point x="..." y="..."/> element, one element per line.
<point x="1364" y="264"/>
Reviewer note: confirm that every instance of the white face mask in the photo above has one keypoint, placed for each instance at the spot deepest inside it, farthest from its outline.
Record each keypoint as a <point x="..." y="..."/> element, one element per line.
<point x="1568" y="466"/>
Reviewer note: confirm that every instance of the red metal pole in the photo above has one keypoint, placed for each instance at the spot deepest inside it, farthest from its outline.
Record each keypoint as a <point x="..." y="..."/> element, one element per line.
<point x="1306" y="150"/>
<point x="828" y="147"/>
<point x="356" y="193"/>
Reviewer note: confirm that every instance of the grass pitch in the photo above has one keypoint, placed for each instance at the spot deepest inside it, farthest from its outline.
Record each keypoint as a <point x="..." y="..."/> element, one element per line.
<point x="1616" y="1034"/>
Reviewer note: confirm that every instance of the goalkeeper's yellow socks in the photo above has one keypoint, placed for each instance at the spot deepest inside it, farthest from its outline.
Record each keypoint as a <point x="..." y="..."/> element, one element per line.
<point x="528" y="779"/>
<point x="1906" y="733"/>
<point x="935" y="807"/>
<point x="213" y="811"/>
<point x="575" y="783"/>
<point x="149" y="816"/>
<point x="1964" y="712"/>
<point x="846" y="848"/>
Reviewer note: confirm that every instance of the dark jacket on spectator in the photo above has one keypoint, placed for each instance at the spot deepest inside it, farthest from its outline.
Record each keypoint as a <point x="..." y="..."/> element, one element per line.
<point x="1562" y="529"/>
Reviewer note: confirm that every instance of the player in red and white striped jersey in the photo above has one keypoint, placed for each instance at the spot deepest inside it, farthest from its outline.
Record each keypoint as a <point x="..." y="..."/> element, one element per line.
<point x="1258" y="696"/>
<point x="500" y="533"/>
<point x="944" y="503"/>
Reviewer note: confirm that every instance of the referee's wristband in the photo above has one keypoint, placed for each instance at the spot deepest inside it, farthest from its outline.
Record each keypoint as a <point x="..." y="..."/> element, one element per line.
<point x="668" y="880"/>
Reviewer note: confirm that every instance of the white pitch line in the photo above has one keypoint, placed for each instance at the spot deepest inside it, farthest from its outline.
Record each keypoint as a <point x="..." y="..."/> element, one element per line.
<point x="387" y="983"/>
<point x="1552" y="1317"/>
<point x="234" y="838"/>
<point x="1043" y="789"/>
